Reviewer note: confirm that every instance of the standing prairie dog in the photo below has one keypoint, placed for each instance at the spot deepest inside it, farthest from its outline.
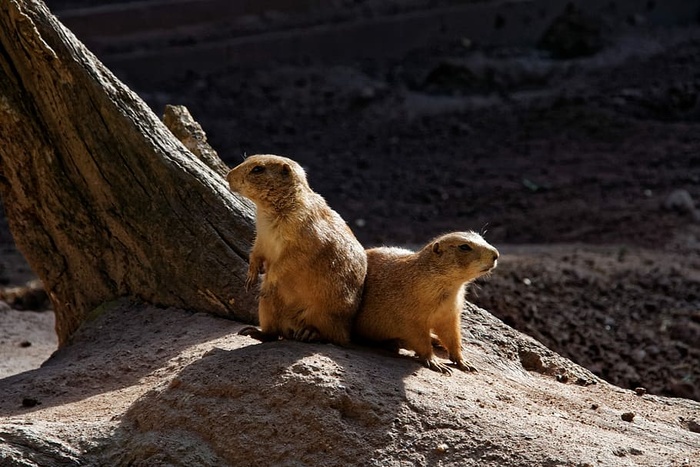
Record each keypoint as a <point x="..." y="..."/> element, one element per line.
<point x="314" y="267"/>
<point x="410" y="297"/>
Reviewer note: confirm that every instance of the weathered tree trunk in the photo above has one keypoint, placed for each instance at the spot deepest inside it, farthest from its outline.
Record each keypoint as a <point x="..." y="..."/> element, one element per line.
<point x="102" y="200"/>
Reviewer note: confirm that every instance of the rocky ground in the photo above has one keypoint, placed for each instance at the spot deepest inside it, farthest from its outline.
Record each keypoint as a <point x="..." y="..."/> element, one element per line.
<point x="583" y="171"/>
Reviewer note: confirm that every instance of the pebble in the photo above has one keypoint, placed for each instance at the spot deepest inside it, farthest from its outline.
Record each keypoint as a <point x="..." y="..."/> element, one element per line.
<point x="30" y="402"/>
<point x="693" y="426"/>
<point x="681" y="201"/>
<point x="628" y="416"/>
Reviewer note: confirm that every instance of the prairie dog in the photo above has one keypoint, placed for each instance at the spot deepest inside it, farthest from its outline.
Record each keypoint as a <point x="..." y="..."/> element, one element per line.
<point x="314" y="267"/>
<point x="412" y="297"/>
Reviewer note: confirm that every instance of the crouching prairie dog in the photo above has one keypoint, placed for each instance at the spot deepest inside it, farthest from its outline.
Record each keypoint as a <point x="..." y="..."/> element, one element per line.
<point x="411" y="298"/>
<point x="313" y="266"/>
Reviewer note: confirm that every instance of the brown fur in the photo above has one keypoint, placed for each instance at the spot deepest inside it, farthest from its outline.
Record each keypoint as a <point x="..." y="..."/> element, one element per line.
<point x="314" y="267"/>
<point x="409" y="297"/>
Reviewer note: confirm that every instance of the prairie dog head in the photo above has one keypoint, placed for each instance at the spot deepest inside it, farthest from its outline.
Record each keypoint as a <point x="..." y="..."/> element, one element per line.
<point x="461" y="256"/>
<point x="268" y="180"/>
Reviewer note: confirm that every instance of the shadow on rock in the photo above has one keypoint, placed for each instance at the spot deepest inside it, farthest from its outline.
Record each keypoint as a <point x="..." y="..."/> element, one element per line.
<point x="299" y="404"/>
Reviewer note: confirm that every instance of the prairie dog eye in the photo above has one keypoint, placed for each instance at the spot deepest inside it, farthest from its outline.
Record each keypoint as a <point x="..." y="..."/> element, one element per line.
<point x="465" y="247"/>
<point x="258" y="169"/>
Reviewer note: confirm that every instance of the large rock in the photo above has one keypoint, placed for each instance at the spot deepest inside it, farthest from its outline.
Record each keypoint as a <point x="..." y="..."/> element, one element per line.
<point x="144" y="386"/>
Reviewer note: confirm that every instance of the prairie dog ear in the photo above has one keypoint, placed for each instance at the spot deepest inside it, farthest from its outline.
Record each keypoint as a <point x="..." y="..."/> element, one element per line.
<point x="436" y="248"/>
<point x="286" y="169"/>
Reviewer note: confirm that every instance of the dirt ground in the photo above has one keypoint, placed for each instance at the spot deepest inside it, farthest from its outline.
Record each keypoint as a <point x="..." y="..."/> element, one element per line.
<point x="567" y="166"/>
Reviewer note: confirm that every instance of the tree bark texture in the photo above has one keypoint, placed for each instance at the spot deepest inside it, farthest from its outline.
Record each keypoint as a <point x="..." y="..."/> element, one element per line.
<point x="102" y="200"/>
<point x="190" y="133"/>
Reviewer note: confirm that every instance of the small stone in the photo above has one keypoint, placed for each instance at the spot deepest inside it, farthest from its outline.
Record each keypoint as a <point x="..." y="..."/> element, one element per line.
<point x="680" y="201"/>
<point x="527" y="281"/>
<point x="25" y="344"/>
<point x="637" y="19"/>
<point x="628" y="416"/>
<point x="175" y="383"/>
<point x="585" y="382"/>
<point x="690" y="425"/>
<point x="640" y="391"/>
<point x="594" y="406"/>
<point x="30" y="402"/>
<point x="441" y="448"/>
<point x="531" y="361"/>
<point x="368" y="93"/>
<point x="573" y="34"/>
